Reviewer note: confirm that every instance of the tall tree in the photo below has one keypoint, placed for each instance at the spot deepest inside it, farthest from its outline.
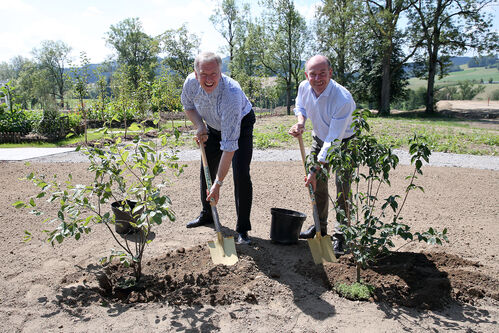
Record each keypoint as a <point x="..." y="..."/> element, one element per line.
<point x="135" y="49"/>
<point x="383" y="18"/>
<point x="225" y="20"/>
<point x="34" y="88"/>
<point x="180" y="48"/>
<point x="449" y="27"/>
<point x="370" y="74"/>
<point x="284" y="44"/>
<point x="245" y="66"/>
<point x="80" y="83"/>
<point x="53" y="57"/>
<point x="337" y="33"/>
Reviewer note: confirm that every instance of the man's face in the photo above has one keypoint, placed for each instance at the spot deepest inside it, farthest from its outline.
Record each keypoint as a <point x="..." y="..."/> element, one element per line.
<point x="318" y="74"/>
<point x="209" y="75"/>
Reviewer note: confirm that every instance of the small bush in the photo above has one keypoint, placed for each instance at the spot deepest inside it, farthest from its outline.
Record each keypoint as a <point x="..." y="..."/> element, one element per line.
<point x="356" y="292"/>
<point x="495" y="95"/>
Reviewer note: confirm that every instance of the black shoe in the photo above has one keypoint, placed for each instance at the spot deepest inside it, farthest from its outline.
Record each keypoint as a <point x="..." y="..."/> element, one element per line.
<point x="202" y="219"/>
<point x="310" y="233"/>
<point x="243" y="238"/>
<point x="338" y="245"/>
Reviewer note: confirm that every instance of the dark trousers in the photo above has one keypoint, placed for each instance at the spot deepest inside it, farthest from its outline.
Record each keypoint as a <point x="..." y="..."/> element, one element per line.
<point x="243" y="188"/>
<point x="343" y="183"/>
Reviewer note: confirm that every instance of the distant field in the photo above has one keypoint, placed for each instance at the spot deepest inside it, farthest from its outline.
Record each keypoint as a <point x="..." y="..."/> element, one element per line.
<point x="477" y="74"/>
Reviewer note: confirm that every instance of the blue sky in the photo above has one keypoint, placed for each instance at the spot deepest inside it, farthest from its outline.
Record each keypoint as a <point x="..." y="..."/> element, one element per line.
<point x="83" y="24"/>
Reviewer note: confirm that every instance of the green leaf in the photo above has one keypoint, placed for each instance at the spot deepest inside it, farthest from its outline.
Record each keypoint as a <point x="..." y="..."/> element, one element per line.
<point x="27" y="236"/>
<point x="19" y="204"/>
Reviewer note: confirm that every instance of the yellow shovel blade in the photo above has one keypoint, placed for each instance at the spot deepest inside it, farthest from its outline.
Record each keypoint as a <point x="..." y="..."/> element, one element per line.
<point x="224" y="251"/>
<point x="322" y="249"/>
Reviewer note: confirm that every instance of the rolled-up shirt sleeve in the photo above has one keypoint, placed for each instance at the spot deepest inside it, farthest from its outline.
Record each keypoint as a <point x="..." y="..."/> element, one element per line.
<point x="231" y="120"/>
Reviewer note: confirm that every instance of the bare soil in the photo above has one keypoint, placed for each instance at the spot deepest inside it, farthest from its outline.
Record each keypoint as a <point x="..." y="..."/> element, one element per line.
<point x="273" y="287"/>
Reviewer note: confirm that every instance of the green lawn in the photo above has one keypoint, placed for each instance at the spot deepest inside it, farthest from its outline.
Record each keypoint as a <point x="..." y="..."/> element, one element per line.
<point x="476" y="74"/>
<point x="444" y="134"/>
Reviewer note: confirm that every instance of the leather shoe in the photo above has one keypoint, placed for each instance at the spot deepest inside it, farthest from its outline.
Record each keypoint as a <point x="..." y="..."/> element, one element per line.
<point x="243" y="238"/>
<point x="310" y="233"/>
<point x="202" y="219"/>
<point x="338" y="245"/>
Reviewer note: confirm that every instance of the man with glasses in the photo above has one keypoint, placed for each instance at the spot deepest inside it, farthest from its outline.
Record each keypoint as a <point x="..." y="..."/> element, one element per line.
<point x="224" y="119"/>
<point x="329" y="107"/>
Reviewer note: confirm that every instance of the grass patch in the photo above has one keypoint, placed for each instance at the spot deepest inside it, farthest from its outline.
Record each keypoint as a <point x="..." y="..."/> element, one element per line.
<point x="444" y="134"/>
<point x="356" y="292"/>
<point x="271" y="132"/>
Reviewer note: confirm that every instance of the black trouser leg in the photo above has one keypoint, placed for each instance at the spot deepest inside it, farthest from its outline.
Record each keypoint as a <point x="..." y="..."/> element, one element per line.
<point x="243" y="187"/>
<point x="213" y="155"/>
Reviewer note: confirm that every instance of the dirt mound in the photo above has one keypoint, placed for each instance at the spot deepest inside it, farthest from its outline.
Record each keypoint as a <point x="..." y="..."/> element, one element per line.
<point x="188" y="277"/>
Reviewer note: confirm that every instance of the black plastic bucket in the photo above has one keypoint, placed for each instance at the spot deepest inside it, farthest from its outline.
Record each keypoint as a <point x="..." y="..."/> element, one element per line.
<point x="286" y="225"/>
<point x="123" y="219"/>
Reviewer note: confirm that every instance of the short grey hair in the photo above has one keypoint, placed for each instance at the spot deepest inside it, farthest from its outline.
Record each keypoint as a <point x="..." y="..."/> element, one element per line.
<point x="207" y="57"/>
<point x="327" y="62"/>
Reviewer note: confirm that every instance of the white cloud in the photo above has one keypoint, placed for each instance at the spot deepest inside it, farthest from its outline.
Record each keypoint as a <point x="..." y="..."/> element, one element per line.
<point x="92" y="12"/>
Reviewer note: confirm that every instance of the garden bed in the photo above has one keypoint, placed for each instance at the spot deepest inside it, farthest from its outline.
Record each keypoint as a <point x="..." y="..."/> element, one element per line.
<point x="273" y="287"/>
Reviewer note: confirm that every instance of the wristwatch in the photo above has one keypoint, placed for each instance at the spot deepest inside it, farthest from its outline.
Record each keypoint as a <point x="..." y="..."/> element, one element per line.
<point x="219" y="182"/>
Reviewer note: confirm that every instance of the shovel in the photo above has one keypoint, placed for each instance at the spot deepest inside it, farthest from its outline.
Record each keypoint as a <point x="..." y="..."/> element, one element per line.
<point x="321" y="247"/>
<point x="222" y="250"/>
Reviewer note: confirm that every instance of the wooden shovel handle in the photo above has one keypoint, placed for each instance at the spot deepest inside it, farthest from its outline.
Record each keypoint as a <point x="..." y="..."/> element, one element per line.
<point x="206" y="169"/>
<point x="310" y="188"/>
<point x="302" y="151"/>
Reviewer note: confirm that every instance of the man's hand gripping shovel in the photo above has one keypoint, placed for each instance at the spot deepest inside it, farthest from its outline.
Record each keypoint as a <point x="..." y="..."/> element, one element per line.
<point x="222" y="250"/>
<point x="320" y="246"/>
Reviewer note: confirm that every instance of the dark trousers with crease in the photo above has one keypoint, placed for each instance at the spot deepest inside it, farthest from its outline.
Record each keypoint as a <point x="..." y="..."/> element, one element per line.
<point x="343" y="183"/>
<point x="243" y="188"/>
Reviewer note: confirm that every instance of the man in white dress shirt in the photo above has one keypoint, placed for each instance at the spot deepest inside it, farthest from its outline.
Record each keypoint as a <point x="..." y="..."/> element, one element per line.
<point x="329" y="106"/>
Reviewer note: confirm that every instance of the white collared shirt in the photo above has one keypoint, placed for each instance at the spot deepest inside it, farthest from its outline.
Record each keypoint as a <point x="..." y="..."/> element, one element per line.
<point x="330" y="113"/>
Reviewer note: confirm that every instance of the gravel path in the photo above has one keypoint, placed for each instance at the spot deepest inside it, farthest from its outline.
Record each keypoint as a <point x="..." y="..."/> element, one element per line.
<point x="278" y="155"/>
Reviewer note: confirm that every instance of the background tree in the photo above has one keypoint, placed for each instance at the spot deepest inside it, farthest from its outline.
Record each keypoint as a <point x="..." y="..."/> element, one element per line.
<point x="80" y="81"/>
<point x="180" y="48"/>
<point x="124" y="92"/>
<point x="383" y="19"/>
<point x="449" y="27"/>
<point x="283" y="45"/>
<point x="370" y="74"/>
<point x="245" y="66"/>
<point x="134" y="48"/>
<point x="336" y="28"/>
<point x="166" y="94"/>
<point x="225" y="20"/>
<point x="53" y="56"/>
<point x="102" y="90"/>
<point x="34" y="88"/>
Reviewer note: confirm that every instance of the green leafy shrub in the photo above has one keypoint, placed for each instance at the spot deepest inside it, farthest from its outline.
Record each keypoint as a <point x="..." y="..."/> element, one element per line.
<point x="134" y="172"/>
<point x="75" y="124"/>
<point x="12" y="117"/>
<point x="372" y="223"/>
<point x="355" y="292"/>
<point x="468" y="90"/>
<point x="495" y="95"/>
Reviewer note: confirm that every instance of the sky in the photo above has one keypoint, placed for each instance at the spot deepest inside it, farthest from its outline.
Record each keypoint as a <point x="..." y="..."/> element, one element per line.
<point x="83" y="24"/>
